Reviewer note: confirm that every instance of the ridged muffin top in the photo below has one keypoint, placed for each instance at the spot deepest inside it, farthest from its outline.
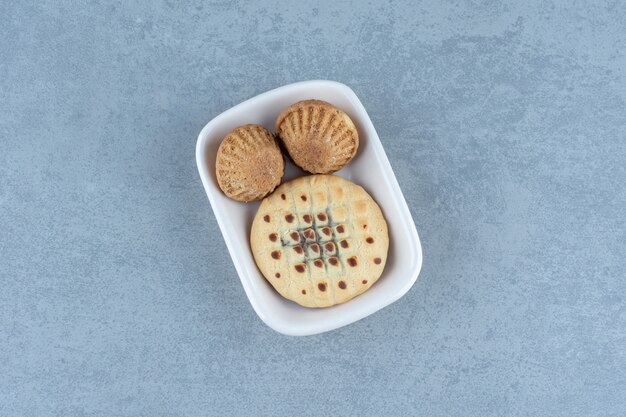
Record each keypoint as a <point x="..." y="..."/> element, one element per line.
<point x="319" y="137"/>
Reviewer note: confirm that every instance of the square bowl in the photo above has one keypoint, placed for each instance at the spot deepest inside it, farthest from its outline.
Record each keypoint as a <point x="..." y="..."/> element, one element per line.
<point x="370" y="168"/>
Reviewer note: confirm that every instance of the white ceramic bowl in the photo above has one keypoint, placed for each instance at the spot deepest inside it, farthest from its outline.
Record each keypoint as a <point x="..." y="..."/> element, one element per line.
<point x="370" y="168"/>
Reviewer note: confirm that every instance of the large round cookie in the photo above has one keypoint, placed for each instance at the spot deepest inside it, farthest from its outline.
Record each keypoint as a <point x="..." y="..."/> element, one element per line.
<point x="320" y="240"/>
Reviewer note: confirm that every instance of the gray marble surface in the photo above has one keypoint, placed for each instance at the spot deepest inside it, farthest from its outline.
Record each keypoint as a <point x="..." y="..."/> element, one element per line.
<point x="505" y="123"/>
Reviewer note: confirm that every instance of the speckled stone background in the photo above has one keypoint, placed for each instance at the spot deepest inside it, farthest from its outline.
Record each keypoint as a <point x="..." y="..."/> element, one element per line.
<point x="504" y="122"/>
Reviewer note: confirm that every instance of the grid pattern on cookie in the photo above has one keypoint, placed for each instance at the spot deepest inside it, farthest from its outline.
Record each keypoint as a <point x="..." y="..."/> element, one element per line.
<point x="322" y="243"/>
<point x="321" y="271"/>
<point x="320" y="250"/>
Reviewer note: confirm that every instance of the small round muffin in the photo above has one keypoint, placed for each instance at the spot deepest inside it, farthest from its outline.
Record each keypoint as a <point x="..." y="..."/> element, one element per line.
<point x="249" y="163"/>
<point x="319" y="137"/>
<point x="320" y="240"/>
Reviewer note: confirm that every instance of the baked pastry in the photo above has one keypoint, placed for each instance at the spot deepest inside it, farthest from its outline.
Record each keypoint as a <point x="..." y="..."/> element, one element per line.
<point x="320" y="240"/>
<point x="249" y="163"/>
<point x="319" y="137"/>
